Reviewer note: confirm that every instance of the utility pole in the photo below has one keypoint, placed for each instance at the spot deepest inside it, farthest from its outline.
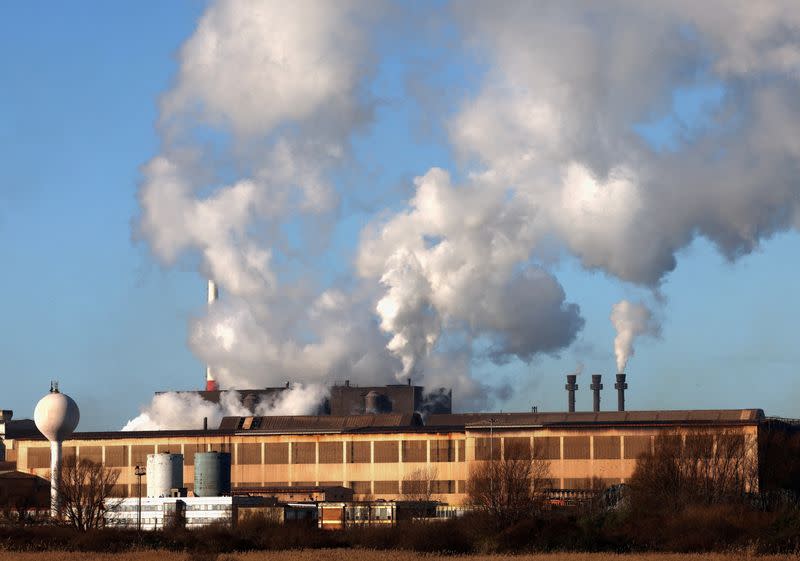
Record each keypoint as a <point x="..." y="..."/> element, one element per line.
<point x="491" y="458"/>
<point x="139" y="471"/>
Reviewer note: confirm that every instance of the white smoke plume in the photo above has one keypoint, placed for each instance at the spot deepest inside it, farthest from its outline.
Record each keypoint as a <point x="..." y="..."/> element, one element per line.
<point x="551" y="153"/>
<point x="186" y="410"/>
<point x="631" y="319"/>
<point x="266" y="99"/>
<point x="458" y="259"/>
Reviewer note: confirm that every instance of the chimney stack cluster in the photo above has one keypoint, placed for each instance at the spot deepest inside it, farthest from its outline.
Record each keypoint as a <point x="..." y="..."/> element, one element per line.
<point x="596" y="386"/>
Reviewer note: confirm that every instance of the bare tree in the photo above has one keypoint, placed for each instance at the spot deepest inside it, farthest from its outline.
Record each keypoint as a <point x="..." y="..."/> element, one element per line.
<point x="698" y="467"/>
<point x="417" y="485"/>
<point x="509" y="488"/>
<point x="85" y="488"/>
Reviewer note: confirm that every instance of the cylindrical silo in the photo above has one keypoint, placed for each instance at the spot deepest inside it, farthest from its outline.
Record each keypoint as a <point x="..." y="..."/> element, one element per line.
<point x="164" y="473"/>
<point x="212" y="474"/>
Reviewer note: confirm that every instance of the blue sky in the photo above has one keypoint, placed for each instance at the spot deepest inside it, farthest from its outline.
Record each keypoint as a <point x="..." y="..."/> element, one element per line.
<point x="87" y="304"/>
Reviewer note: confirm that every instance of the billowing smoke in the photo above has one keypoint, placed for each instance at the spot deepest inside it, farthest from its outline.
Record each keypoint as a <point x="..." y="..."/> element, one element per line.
<point x="260" y="117"/>
<point x="570" y="84"/>
<point x="186" y="410"/>
<point x="631" y="319"/>
<point x="458" y="259"/>
<point x="575" y="141"/>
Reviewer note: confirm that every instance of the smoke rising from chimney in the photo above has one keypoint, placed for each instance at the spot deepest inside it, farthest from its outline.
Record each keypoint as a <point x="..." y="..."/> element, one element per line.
<point x="547" y="152"/>
<point x="631" y="319"/>
<point x="187" y="410"/>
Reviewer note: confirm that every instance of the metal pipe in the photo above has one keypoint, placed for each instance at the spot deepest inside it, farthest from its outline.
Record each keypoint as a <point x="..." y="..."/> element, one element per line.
<point x="621" y="386"/>
<point x="596" y="387"/>
<point x="571" y="388"/>
<point x="139" y="471"/>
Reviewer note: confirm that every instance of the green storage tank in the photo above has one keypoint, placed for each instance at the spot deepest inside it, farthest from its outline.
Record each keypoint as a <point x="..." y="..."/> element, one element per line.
<point x="212" y="474"/>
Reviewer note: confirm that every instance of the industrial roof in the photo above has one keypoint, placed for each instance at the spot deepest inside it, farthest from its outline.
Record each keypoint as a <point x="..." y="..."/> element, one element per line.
<point x="320" y="423"/>
<point x="498" y="420"/>
<point x="395" y="422"/>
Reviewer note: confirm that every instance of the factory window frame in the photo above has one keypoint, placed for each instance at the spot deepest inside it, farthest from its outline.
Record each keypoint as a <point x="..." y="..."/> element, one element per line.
<point x="636" y="446"/>
<point x="443" y="451"/>
<point x="139" y="453"/>
<point x="359" y="452"/>
<point x="414" y="487"/>
<point x="576" y="448"/>
<point x="607" y="447"/>
<point x="276" y="453"/>
<point x="361" y="487"/>
<point x="248" y="454"/>
<point x="116" y="456"/>
<point x="442" y="487"/>
<point x="92" y="453"/>
<point x="547" y="447"/>
<point x="387" y="487"/>
<point x="331" y="453"/>
<point x="488" y="448"/>
<point x="386" y="452"/>
<point x="304" y="452"/>
<point x="517" y="448"/>
<point x="415" y="450"/>
<point x="38" y="457"/>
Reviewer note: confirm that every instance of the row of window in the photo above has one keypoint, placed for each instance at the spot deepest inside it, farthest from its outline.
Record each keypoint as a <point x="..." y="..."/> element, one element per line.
<point x="443" y="450"/>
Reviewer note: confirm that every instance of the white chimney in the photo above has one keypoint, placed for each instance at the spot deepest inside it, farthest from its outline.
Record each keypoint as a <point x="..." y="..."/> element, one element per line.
<point x="213" y="294"/>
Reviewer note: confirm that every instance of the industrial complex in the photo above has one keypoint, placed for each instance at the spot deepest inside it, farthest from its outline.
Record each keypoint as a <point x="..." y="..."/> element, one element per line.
<point x="384" y="455"/>
<point x="365" y="444"/>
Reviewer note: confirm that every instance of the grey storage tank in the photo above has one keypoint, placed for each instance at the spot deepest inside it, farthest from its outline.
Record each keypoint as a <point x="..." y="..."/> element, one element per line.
<point x="212" y="474"/>
<point x="164" y="473"/>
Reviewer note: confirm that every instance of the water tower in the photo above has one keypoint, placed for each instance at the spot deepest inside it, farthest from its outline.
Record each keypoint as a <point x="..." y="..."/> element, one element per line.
<point x="56" y="416"/>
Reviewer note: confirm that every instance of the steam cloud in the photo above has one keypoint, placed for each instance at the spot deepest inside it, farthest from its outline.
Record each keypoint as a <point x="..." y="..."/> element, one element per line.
<point x="552" y="151"/>
<point x="630" y="319"/>
<point x="173" y="410"/>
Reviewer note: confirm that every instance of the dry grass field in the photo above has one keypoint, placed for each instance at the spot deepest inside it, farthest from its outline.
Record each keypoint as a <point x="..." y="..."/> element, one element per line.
<point x="368" y="555"/>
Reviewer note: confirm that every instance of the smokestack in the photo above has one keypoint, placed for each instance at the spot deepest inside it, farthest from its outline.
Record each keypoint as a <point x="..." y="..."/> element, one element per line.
<point x="571" y="388"/>
<point x="213" y="294"/>
<point x="596" y="387"/>
<point x="621" y="386"/>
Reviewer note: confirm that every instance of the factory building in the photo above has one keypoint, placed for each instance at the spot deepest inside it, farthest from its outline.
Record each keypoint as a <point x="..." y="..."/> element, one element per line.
<point x="348" y="399"/>
<point x="385" y="456"/>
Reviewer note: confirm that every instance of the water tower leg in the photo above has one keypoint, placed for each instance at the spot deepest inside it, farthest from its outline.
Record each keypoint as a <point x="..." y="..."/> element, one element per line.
<point x="55" y="478"/>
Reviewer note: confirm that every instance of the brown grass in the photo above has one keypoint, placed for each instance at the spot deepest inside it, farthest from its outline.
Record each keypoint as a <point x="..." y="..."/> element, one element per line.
<point x="369" y="555"/>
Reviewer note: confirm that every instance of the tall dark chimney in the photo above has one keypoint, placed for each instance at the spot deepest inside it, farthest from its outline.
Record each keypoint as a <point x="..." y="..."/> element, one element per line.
<point x="571" y="388"/>
<point x="621" y="386"/>
<point x="596" y="387"/>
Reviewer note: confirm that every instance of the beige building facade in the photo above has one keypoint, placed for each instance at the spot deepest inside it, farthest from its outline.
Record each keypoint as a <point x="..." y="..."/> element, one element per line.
<point x="387" y="456"/>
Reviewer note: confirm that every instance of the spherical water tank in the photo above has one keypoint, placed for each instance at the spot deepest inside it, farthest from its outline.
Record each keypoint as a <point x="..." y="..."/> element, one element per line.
<point x="56" y="416"/>
<point x="212" y="474"/>
<point x="164" y="472"/>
